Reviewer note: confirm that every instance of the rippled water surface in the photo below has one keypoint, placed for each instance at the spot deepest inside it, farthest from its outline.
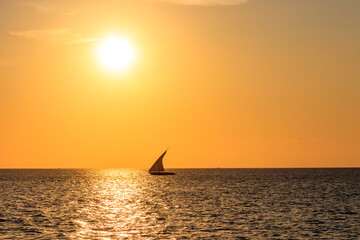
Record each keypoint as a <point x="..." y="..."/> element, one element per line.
<point x="193" y="204"/>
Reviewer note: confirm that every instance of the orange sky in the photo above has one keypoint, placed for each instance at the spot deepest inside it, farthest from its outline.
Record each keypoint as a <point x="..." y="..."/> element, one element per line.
<point x="232" y="83"/>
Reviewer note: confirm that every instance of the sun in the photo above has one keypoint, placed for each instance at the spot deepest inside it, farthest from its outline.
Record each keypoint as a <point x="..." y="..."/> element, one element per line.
<point x="116" y="54"/>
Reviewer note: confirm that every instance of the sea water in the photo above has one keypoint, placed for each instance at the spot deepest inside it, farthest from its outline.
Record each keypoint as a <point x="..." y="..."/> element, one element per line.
<point x="193" y="204"/>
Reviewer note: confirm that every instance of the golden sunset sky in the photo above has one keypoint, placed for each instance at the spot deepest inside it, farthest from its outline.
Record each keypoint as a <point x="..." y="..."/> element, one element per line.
<point x="225" y="83"/>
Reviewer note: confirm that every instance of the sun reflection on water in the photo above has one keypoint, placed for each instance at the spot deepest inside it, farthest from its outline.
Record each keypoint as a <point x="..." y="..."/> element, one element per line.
<point x="193" y="204"/>
<point x="115" y="204"/>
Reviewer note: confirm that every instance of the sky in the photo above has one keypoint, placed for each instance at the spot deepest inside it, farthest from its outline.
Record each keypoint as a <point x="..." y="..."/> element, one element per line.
<point x="223" y="83"/>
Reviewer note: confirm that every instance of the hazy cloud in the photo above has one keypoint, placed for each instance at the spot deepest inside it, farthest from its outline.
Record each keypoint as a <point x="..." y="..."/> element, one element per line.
<point x="48" y="7"/>
<point x="57" y="36"/>
<point x="71" y="13"/>
<point x="37" y="6"/>
<point x="208" y="2"/>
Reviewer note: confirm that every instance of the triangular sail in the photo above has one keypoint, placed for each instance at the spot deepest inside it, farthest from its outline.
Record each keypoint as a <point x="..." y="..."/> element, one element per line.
<point x="158" y="165"/>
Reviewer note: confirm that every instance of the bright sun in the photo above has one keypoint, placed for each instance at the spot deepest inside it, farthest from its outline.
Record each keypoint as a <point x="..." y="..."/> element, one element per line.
<point x="116" y="54"/>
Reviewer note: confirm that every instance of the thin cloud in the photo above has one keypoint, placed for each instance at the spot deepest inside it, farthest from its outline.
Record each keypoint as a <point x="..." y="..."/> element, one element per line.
<point x="47" y="8"/>
<point x="37" y="6"/>
<point x="208" y="2"/>
<point x="57" y="36"/>
<point x="71" y="13"/>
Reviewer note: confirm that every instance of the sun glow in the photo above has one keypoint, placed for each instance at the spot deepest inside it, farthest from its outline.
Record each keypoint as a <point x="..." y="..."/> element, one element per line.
<point x="116" y="54"/>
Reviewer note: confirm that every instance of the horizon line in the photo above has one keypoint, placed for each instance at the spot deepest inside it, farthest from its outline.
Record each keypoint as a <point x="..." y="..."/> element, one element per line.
<point x="179" y="168"/>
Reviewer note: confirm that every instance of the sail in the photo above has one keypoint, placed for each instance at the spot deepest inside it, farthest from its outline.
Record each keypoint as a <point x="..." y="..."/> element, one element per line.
<point x="158" y="165"/>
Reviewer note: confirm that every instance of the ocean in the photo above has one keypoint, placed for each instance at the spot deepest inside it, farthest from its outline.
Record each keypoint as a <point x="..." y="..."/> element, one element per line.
<point x="193" y="204"/>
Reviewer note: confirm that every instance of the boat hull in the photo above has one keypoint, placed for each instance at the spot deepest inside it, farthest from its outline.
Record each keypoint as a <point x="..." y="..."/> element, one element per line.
<point x="162" y="173"/>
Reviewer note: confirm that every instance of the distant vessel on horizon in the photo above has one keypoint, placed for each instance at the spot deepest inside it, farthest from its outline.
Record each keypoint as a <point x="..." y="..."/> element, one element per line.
<point x="158" y="167"/>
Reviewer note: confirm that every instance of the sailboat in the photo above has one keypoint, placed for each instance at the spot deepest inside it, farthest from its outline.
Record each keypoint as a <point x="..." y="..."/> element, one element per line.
<point x="158" y="168"/>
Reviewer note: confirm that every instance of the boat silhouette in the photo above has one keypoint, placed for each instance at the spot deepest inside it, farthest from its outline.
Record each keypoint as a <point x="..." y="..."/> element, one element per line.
<point x="158" y="167"/>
